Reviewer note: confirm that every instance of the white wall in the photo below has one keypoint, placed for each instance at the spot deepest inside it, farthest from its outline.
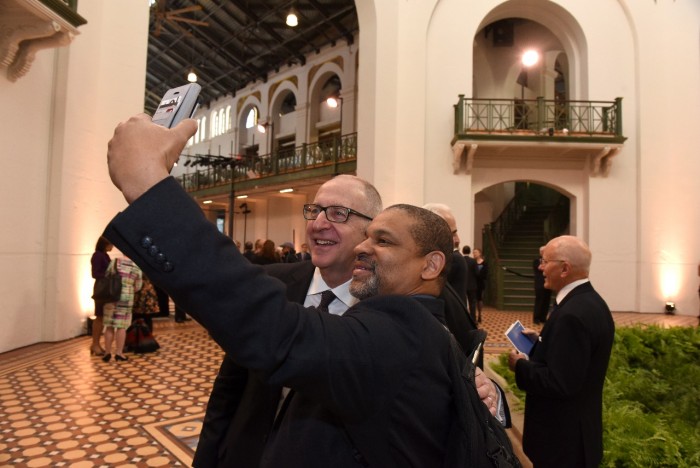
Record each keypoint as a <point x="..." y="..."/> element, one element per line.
<point x="56" y="196"/>
<point x="642" y="220"/>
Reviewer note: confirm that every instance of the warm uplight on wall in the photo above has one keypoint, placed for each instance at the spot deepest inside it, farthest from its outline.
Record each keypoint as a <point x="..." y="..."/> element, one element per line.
<point x="670" y="308"/>
<point x="287" y="190"/>
<point x="670" y="280"/>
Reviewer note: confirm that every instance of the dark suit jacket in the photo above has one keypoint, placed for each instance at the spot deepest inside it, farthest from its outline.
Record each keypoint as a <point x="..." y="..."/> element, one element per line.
<point x="376" y="376"/>
<point x="472" y="273"/>
<point x="457" y="277"/>
<point x="242" y="407"/>
<point x="564" y="383"/>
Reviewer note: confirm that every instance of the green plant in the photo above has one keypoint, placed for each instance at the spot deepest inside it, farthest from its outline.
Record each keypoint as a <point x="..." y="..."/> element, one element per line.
<point x="650" y="399"/>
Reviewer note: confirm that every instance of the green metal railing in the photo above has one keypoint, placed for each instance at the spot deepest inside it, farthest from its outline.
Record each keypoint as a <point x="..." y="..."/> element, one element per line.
<point x="67" y="9"/>
<point x="327" y="153"/>
<point x="538" y="117"/>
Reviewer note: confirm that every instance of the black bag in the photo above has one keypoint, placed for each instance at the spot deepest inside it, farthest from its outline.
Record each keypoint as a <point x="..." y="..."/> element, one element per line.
<point x="109" y="287"/>
<point x="476" y="437"/>
<point x="139" y="338"/>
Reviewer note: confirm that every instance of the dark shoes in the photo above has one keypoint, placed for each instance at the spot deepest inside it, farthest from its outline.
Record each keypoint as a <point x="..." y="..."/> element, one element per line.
<point x="117" y="357"/>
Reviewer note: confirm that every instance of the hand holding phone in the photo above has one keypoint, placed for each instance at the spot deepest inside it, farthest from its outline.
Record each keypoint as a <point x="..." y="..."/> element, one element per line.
<point x="177" y="104"/>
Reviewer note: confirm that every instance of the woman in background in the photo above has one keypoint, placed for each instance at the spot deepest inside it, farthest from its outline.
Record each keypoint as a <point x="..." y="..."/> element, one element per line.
<point x="99" y="261"/>
<point x="267" y="255"/>
<point x="145" y="302"/>
<point x="117" y="315"/>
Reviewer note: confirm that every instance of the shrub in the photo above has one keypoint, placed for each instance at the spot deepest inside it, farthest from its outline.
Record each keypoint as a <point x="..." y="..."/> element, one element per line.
<point x="650" y="399"/>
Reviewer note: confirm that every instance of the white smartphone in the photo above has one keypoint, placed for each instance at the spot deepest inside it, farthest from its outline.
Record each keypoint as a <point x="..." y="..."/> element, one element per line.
<point x="177" y="104"/>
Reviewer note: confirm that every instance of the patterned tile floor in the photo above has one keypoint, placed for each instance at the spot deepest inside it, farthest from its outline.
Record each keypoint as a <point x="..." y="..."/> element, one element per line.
<point x="61" y="407"/>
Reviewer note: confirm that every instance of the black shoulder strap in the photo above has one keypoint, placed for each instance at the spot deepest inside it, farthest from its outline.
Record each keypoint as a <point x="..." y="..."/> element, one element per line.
<point x="487" y="440"/>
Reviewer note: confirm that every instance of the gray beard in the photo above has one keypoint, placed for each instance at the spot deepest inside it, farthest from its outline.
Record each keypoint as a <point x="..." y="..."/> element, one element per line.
<point x="365" y="289"/>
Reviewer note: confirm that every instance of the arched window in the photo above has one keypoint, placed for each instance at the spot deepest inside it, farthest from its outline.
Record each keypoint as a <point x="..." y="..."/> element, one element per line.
<point x="252" y="118"/>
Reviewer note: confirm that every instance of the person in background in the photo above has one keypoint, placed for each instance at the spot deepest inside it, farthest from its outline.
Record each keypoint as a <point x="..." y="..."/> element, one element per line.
<point x="457" y="277"/>
<point x="248" y="251"/>
<point x="117" y="315"/>
<point x="238" y="245"/>
<point x="145" y="303"/>
<point x="267" y="254"/>
<point x="99" y="262"/>
<point x="564" y="375"/>
<point x="472" y="274"/>
<point x="288" y="255"/>
<point x="257" y="250"/>
<point x="542" y="294"/>
<point x="482" y="270"/>
<point x="304" y="254"/>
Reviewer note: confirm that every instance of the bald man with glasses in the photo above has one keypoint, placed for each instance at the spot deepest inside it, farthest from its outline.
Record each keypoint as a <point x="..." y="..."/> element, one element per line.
<point x="564" y="375"/>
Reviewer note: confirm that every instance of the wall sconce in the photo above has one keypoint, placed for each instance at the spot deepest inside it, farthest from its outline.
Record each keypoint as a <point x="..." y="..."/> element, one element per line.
<point x="670" y="308"/>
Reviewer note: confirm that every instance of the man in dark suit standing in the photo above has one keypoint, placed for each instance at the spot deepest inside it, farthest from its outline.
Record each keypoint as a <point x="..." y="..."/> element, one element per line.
<point x="457" y="276"/>
<point x="564" y="375"/>
<point x="304" y="254"/>
<point x="472" y="274"/>
<point x="542" y="294"/>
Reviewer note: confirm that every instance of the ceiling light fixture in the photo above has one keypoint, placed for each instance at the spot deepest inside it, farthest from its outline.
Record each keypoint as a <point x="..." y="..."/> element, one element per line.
<point x="192" y="76"/>
<point x="292" y="18"/>
<point x="207" y="202"/>
<point x="287" y="190"/>
<point x="242" y="196"/>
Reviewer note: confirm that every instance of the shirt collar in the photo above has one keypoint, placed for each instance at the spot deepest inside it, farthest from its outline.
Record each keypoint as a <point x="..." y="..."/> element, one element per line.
<point x="342" y="292"/>
<point x="568" y="288"/>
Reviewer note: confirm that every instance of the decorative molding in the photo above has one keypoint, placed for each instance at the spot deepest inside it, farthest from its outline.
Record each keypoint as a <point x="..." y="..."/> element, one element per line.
<point x="28" y="26"/>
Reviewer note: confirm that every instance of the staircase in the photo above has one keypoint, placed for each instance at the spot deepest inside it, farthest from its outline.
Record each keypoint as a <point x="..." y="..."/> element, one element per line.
<point x="520" y="247"/>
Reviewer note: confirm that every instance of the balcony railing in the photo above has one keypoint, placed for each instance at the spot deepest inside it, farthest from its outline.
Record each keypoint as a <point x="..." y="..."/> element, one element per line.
<point x="327" y="153"/>
<point x="538" y="118"/>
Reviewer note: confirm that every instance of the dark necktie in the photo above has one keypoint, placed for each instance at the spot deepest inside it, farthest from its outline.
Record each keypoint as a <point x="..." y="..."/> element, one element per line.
<point x="327" y="297"/>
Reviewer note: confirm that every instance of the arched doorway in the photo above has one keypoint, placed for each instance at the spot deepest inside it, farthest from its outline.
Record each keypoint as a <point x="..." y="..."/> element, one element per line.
<point x="513" y="220"/>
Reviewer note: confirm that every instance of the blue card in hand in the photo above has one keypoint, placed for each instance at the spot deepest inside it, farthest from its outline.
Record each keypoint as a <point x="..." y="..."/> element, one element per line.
<point x="522" y="343"/>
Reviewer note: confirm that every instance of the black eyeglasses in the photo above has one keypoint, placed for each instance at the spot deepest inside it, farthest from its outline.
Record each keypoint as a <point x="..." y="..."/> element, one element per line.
<point x="334" y="214"/>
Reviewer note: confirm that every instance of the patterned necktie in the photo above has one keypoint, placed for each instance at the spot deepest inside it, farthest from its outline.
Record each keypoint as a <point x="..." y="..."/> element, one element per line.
<point x="327" y="297"/>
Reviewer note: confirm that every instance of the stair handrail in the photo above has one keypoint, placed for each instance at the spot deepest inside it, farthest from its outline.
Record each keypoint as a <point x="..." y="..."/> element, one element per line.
<point x="493" y="293"/>
<point x="557" y="221"/>
<point x="508" y="217"/>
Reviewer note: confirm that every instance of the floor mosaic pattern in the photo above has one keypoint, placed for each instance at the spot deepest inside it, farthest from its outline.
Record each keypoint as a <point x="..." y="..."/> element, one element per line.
<point x="61" y="407"/>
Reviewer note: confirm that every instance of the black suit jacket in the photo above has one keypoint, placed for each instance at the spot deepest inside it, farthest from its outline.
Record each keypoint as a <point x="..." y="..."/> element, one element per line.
<point x="242" y="407"/>
<point x="457" y="277"/>
<point x="375" y="379"/>
<point x="472" y="273"/>
<point x="564" y="383"/>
